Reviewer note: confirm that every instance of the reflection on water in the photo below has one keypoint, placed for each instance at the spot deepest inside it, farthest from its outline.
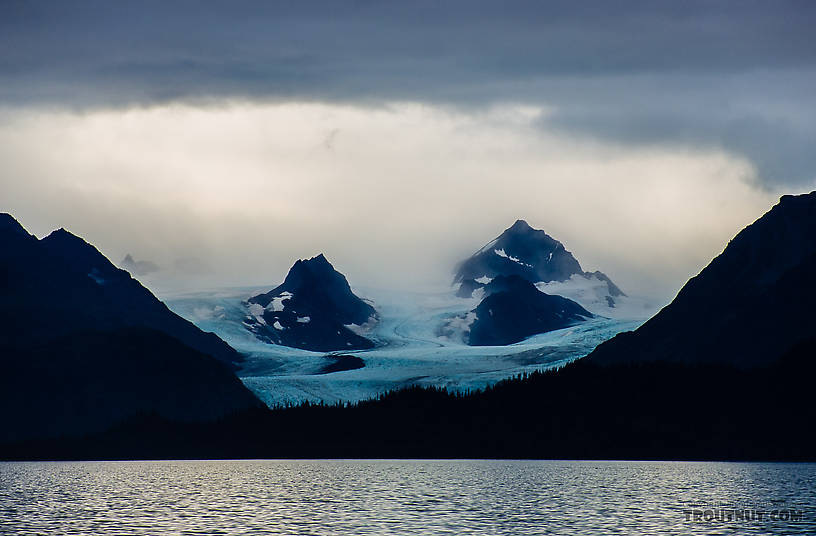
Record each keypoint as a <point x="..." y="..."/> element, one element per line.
<point x="398" y="497"/>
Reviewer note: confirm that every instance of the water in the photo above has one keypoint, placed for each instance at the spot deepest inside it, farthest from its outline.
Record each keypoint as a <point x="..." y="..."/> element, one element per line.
<point x="397" y="497"/>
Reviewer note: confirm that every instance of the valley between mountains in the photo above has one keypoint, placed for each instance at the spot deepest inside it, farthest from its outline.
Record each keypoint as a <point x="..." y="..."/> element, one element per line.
<point x="524" y="295"/>
<point x="408" y="349"/>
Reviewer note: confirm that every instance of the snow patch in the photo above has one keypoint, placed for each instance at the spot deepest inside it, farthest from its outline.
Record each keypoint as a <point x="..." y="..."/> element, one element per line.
<point x="276" y="304"/>
<point x="256" y="311"/>
<point x="502" y="253"/>
<point x="363" y="329"/>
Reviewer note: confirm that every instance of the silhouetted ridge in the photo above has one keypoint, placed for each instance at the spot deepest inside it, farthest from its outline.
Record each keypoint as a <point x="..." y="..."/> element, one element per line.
<point x="84" y="346"/>
<point x="747" y="307"/>
<point x="9" y="225"/>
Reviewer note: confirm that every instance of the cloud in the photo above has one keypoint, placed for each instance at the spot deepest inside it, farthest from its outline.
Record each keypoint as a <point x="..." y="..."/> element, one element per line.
<point x="732" y="75"/>
<point x="402" y="193"/>
<point x="767" y="117"/>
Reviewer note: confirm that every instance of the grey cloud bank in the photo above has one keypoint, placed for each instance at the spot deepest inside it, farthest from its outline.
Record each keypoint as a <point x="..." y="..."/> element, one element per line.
<point x="731" y="75"/>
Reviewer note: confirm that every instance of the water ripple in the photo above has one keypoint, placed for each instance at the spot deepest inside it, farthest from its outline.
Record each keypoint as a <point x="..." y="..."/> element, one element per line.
<point x="398" y="497"/>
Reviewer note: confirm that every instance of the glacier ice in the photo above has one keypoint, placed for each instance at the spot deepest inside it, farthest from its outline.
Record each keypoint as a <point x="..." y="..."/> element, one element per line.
<point x="410" y="349"/>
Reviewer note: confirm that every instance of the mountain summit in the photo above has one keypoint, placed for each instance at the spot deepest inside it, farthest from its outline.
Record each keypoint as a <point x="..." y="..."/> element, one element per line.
<point x="68" y="283"/>
<point x="529" y="253"/>
<point x="524" y="251"/>
<point x="313" y="309"/>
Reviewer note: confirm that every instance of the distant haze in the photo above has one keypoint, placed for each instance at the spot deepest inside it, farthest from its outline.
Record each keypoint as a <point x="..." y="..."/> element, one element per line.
<point x="394" y="196"/>
<point x="221" y="141"/>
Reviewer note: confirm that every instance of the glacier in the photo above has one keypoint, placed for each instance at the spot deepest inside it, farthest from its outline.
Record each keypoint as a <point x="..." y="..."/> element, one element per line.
<point x="409" y="348"/>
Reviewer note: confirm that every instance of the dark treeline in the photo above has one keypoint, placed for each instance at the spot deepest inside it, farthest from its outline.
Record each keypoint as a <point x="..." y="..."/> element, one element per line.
<point x="582" y="411"/>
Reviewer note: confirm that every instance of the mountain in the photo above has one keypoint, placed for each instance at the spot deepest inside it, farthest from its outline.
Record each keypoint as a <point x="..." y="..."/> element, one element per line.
<point x="61" y="284"/>
<point x="529" y="253"/>
<point x="749" y="306"/>
<point x="725" y="372"/>
<point x="314" y="309"/>
<point x="138" y="267"/>
<point x="513" y="310"/>
<point x="83" y="346"/>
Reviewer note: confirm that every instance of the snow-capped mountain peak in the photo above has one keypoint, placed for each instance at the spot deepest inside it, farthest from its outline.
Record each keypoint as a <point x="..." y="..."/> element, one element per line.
<point x="531" y="254"/>
<point x="312" y="290"/>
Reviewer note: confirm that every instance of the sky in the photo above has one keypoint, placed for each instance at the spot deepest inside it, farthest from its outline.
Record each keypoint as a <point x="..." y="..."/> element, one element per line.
<point x="221" y="141"/>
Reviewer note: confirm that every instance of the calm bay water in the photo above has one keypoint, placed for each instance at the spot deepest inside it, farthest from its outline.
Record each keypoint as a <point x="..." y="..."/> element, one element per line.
<point x="404" y="497"/>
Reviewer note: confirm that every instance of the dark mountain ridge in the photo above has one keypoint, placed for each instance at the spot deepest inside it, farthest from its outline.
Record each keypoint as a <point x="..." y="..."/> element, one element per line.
<point x="750" y="305"/>
<point x="61" y="284"/>
<point x="83" y="346"/>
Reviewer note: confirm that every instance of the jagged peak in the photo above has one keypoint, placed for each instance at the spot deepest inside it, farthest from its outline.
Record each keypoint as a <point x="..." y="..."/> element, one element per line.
<point x="315" y="269"/>
<point x="318" y="260"/>
<point x="316" y="264"/>
<point x="523" y="229"/>
<point x="61" y="234"/>
<point x="66" y="242"/>
<point x="520" y="226"/>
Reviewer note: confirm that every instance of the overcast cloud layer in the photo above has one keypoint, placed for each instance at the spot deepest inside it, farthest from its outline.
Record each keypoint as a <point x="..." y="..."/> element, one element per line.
<point x="643" y="134"/>
<point x="735" y="74"/>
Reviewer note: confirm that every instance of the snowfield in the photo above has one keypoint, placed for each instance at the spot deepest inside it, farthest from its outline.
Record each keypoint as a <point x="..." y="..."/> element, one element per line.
<point x="410" y="349"/>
